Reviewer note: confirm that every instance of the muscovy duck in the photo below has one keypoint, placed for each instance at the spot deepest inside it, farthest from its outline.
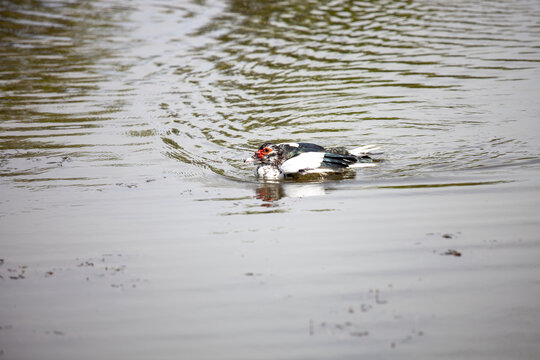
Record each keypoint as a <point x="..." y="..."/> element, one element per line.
<point x="281" y="160"/>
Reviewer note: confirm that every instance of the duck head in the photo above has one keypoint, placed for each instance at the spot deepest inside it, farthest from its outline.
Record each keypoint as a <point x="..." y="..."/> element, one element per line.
<point x="268" y="153"/>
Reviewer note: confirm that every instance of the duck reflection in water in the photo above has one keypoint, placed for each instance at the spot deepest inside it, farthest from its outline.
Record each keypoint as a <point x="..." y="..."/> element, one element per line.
<point x="274" y="191"/>
<point x="269" y="191"/>
<point x="297" y="186"/>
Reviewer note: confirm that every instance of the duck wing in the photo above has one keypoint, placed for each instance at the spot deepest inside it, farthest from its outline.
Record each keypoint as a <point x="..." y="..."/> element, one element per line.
<point x="303" y="161"/>
<point x="317" y="160"/>
<point x="338" y="161"/>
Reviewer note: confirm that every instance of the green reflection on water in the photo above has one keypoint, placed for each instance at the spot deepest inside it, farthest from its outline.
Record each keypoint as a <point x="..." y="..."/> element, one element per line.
<point x="52" y="71"/>
<point x="208" y="88"/>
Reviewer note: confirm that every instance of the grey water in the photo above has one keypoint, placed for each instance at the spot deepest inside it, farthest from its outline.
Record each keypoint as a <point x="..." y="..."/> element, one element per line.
<point x="130" y="227"/>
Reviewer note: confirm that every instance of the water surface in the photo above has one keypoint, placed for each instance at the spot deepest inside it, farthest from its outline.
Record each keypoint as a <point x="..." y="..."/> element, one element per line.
<point x="130" y="226"/>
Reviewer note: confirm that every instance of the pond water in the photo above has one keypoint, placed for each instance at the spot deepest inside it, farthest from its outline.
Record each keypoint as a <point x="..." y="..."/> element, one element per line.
<point x="130" y="227"/>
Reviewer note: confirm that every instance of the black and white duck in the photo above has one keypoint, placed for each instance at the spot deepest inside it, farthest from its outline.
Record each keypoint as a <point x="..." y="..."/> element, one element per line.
<point x="277" y="161"/>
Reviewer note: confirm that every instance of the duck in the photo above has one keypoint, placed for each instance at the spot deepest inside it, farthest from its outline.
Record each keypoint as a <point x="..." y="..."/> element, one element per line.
<point x="278" y="161"/>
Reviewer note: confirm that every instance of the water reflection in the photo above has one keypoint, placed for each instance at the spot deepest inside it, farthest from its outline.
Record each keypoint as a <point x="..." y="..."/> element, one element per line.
<point x="130" y="91"/>
<point x="352" y="73"/>
<point x="53" y="84"/>
<point x="269" y="191"/>
<point x="119" y="94"/>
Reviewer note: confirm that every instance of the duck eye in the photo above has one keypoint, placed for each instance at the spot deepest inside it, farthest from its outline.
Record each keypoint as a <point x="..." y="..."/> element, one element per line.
<point x="267" y="150"/>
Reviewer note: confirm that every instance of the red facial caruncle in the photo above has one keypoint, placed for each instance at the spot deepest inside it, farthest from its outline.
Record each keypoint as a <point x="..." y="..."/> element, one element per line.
<point x="262" y="152"/>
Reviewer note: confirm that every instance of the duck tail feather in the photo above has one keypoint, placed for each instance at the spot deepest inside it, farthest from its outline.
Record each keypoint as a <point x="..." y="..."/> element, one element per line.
<point x="365" y="150"/>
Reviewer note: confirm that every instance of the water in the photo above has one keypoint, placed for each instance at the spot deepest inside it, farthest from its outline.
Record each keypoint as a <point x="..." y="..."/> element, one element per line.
<point x="130" y="226"/>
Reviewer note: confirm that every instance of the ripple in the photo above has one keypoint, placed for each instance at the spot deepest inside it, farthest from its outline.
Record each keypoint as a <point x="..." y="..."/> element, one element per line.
<point x="192" y="88"/>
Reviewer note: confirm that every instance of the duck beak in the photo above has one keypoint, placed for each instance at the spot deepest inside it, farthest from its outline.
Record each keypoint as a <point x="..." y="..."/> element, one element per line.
<point x="252" y="159"/>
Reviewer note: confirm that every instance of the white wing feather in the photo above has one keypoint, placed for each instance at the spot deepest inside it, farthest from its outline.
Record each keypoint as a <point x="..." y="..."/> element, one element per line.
<point x="362" y="165"/>
<point x="305" y="161"/>
<point x="364" y="150"/>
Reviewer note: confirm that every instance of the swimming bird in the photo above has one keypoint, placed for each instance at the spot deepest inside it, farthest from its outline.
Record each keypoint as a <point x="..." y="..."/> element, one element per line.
<point x="277" y="161"/>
